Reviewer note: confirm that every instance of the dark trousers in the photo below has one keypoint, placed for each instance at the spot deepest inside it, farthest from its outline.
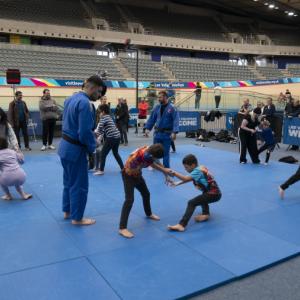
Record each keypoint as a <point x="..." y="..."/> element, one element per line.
<point x="217" y="101"/>
<point x="111" y="144"/>
<point x="22" y="126"/>
<point x="201" y="200"/>
<point x="248" y="142"/>
<point x="123" y="132"/>
<point x="48" y="131"/>
<point x="197" y="101"/>
<point x="293" y="179"/>
<point x="130" y="183"/>
<point x="173" y="146"/>
<point x="269" y="148"/>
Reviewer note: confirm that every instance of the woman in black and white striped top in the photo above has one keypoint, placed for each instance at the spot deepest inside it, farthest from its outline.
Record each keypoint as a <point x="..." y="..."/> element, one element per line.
<point x="108" y="129"/>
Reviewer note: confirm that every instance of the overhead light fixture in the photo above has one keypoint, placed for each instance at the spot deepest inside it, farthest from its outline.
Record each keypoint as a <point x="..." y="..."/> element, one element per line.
<point x="290" y="13"/>
<point x="266" y="3"/>
<point x="271" y="6"/>
<point x="276" y="7"/>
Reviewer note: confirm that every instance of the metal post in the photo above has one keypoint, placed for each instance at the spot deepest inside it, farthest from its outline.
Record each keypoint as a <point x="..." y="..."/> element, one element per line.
<point x="137" y="79"/>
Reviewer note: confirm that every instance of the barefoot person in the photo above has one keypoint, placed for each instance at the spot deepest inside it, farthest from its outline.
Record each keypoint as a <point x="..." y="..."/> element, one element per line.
<point x="293" y="179"/>
<point x="202" y="180"/>
<point x="78" y="140"/>
<point x="132" y="178"/>
<point x="11" y="172"/>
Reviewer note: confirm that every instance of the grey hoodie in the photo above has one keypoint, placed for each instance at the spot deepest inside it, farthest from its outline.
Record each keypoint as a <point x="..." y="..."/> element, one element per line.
<point x="48" y="109"/>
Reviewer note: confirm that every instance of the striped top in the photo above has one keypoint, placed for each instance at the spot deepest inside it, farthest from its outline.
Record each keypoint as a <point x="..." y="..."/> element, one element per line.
<point x="107" y="127"/>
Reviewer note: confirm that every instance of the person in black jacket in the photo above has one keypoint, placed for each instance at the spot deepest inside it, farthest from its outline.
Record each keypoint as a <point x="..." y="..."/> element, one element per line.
<point x="122" y="116"/>
<point x="269" y="110"/>
<point x="247" y="136"/>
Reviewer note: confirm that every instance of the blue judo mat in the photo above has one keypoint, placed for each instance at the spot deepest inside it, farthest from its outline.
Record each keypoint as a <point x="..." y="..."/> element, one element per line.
<point x="44" y="257"/>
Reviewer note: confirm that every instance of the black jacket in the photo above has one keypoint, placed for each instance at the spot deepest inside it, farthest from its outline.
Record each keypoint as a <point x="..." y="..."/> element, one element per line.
<point x="121" y="113"/>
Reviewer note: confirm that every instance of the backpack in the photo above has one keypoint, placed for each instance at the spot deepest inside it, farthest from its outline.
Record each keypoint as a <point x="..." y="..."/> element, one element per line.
<point x="288" y="159"/>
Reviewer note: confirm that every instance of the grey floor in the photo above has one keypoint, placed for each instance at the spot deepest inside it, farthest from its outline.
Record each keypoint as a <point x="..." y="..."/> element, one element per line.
<point x="280" y="282"/>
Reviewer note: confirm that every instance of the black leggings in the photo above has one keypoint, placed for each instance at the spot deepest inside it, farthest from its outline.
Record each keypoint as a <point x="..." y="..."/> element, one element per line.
<point x="269" y="148"/>
<point x="248" y="142"/>
<point x="48" y="131"/>
<point x="130" y="183"/>
<point x="201" y="200"/>
<point x="111" y="144"/>
<point x="217" y="101"/>
<point x="123" y="132"/>
<point x="293" y="179"/>
<point x="173" y="146"/>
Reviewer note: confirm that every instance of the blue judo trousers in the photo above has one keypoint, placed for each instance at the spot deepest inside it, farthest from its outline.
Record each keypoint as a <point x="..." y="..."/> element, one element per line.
<point x="164" y="125"/>
<point x="78" y="124"/>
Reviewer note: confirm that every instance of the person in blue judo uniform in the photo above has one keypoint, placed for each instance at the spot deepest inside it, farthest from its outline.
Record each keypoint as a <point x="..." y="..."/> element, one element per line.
<point x="165" y="120"/>
<point x="78" y="141"/>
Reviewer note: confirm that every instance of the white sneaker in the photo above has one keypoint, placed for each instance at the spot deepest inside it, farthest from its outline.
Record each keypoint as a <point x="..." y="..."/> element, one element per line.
<point x="98" y="173"/>
<point x="51" y="147"/>
<point x="43" y="148"/>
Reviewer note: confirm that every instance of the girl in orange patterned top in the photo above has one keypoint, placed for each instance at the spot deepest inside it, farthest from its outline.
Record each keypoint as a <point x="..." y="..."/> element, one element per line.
<point x="132" y="178"/>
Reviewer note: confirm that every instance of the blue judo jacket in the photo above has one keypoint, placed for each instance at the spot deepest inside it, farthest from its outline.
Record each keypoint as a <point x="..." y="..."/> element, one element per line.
<point x="169" y="120"/>
<point x="78" y="124"/>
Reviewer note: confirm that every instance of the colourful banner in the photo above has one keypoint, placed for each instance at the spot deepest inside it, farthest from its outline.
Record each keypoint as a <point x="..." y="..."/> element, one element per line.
<point x="50" y="82"/>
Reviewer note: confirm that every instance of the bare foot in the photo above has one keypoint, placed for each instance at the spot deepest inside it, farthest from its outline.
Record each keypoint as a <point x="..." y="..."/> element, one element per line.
<point x="26" y="196"/>
<point x="154" y="217"/>
<point x="126" y="233"/>
<point x="6" y="197"/>
<point x="66" y="215"/>
<point x="201" y="218"/>
<point x="281" y="193"/>
<point x="84" y="222"/>
<point x="177" y="227"/>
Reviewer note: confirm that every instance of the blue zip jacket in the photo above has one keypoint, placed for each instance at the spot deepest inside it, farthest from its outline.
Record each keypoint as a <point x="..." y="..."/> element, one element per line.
<point x="168" y="121"/>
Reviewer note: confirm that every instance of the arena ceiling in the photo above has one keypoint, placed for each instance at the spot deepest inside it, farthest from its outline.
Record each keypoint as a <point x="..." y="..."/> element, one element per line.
<point x="270" y="10"/>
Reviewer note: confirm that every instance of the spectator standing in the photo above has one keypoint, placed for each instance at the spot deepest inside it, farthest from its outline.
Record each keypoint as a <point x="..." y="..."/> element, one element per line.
<point x="288" y="94"/>
<point x="218" y="94"/>
<point x="122" y="116"/>
<point x="269" y="110"/>
<point x="49" y="115"/>
<point x="18" y="115"/>
<point x="246" y="107"/>
<point x="198" y="92"/>
<point x="142" y="116"/>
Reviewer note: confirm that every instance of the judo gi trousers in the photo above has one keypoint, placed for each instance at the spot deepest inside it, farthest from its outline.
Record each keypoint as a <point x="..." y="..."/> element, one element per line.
<point x="76" y="185"/>
<point x="166" y="142"/>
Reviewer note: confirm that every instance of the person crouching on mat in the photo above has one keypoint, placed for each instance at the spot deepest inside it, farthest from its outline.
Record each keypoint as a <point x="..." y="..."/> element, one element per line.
<point x="270" y="142"/>
<point x="11" y="172"/>
<point x="293" y="179"/>
<point x="132" y="178"/>
<point x="247" y="136"/>
<point x="202" y="180"/>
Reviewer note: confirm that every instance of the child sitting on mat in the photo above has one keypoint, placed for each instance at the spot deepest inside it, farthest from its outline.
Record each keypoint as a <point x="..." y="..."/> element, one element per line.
<point x="203" y="181"/>
<point x="132" y="178"/>
<point x="269" y="139"/>
<point x="11" y="172"/>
